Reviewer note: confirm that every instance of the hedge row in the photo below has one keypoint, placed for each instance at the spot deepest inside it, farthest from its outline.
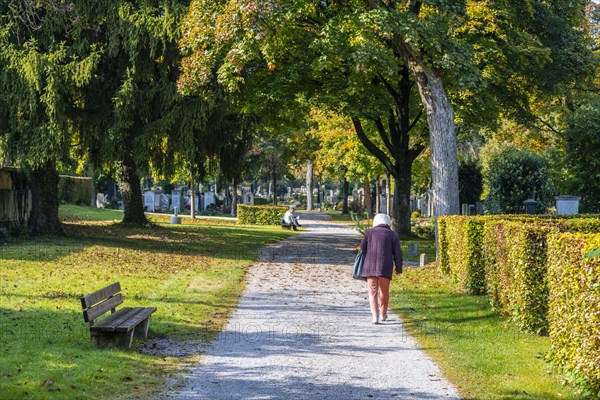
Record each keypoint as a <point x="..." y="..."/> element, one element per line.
<point x="529" y="268"/>
<point x="75" y="189"/>
<point x="260" y="215"/>
<point x="505" y="257"/>
<point x="574" y="305"/>
<point x="462" y="254"/>
<point x="442" y="246"/>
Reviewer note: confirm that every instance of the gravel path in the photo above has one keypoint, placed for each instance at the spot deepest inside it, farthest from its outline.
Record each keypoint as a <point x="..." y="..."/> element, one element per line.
<point x="302" y="331"/>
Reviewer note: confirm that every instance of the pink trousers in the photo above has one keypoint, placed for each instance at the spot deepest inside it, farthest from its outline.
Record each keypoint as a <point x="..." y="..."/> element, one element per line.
<point x="378" y="287"/>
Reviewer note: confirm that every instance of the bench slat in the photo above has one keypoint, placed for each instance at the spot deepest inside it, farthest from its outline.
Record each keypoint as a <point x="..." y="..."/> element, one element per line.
<point x="106" y="325"/>
<point x="89" y="300"/>
<point x="93" y="312"/>
<point x="124" y="320"/>
<point x="134" y="321"/>
<point x="110" y="323"/>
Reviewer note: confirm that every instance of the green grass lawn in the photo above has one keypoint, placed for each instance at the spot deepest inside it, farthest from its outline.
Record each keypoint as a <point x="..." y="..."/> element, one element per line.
<point x="193" y="273"/>
<point x="477" y="349"/>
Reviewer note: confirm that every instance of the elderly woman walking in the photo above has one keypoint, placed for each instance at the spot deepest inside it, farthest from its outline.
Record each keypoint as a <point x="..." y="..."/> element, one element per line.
<point x="381" y="247"/>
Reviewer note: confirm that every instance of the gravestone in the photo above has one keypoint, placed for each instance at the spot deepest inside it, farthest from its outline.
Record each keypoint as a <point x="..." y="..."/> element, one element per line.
<point x="176" y="200"/>
<point x="208" y="199"/>
<point x="248" y="198"/>
<point x="149" y="200"/>
<point x="567" y="205"/>
<point x="420" y="204"/>
<point x="423" y="260"/>
<point x="157" y="200"/>
<point x="464" y="209"/>
<point x="100" y="200"/>
<point x="413" y="250"/>
<point x="164" y="202"/>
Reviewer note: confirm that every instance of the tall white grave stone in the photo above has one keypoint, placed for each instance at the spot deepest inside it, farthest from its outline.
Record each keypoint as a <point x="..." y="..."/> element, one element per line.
<point x="149" y="200"/>
<point x="176" y="199"/>
<point x="208" y="199"/>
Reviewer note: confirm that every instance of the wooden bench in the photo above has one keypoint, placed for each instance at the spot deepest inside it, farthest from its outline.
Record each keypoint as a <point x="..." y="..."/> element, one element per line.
<point x="119" y="328"/>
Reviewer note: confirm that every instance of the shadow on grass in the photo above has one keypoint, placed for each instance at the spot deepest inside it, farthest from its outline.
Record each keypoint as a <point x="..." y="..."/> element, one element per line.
<point x="221" y="241"/>
<point x="49" y="354"/>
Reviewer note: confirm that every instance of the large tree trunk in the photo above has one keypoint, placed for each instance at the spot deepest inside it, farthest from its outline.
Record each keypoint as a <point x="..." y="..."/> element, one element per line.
<point x="94" y="195"/>
<point x="401" y="208"/>
<point x="234" y="198"/>
<point x="345" y="196"/>
<point x="309" y="186"/>
<point x="367" y="204"/>
<point x="440" y="117"/>
<point x="131" y="190"/>
<point x="43" y="219"/>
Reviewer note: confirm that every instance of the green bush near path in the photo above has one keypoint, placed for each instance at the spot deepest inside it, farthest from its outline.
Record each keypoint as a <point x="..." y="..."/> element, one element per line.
<point x="193" y="273"/>
<point x="260" y="215"/>
<point x="574" y="307"/>
<point x="516" y="265"/>
<point x="476" y="348"/>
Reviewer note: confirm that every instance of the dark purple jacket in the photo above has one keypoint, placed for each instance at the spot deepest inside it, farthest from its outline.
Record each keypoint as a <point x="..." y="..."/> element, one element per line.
<point x="381" y="247"/>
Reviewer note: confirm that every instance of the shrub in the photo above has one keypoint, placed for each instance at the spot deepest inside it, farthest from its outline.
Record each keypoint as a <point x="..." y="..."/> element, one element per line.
<point x="513" y="256"/>
<point x="582" y="160"/>
<point x="361" y="222"/>
<point x="574" y="312"/>
<point x="442" y="246"/>
<point x="75" y="189"/>
<point x="583" y="225"/>
<point x="470" y="181"/>
<point x="464" y="248"/>
<point x="511" y="176"/>
<point x="415" y="214"/>
<point x="260" y="215"/>
<point x="528" y="294"/>
<point x="498" y="274"/>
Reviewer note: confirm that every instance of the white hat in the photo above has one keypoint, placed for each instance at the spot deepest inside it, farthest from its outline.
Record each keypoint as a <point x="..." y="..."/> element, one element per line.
<point x="381" y="219"/>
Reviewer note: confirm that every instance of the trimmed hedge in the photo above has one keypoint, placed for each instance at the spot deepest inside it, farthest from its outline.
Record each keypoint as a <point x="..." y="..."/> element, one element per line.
<point x="442" y="246"/>
<point x="574" y="306"/>
<point x="498" y="273"/>
<point x="528" y="288"/>
<point x="464" y="249"/>
<point x="75" y="189"/>
<point x="505" y="256"/>
<point x="260" y="215"/>
<point x="535" y="273"/>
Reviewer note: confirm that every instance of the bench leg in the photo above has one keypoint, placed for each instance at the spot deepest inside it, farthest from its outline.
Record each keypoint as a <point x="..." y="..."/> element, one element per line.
<point x="141" y="331"/>
<point x="114" y="340"/>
